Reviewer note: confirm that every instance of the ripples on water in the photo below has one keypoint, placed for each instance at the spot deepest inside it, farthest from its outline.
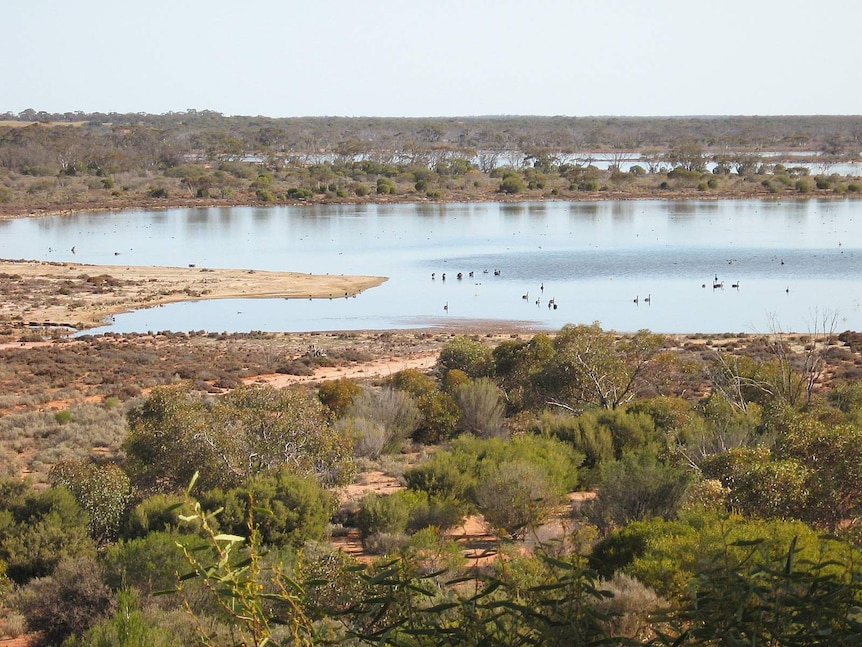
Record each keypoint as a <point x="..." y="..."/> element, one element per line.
<point x="794" y="262"/>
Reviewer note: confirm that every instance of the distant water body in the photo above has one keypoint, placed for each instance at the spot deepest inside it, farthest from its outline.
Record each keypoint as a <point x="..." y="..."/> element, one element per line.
<point x="795" y="263"/>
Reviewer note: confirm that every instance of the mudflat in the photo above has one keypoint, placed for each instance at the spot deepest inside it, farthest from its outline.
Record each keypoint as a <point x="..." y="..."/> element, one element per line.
<point x="75" y="295"/>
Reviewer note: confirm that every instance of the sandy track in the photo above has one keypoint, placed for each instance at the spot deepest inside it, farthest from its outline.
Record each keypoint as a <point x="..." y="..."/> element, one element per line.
<point x="367" y="370"/>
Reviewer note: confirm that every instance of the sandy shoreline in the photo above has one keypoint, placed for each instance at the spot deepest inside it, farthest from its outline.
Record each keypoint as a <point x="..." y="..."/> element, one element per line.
<point x="84" y="296"/>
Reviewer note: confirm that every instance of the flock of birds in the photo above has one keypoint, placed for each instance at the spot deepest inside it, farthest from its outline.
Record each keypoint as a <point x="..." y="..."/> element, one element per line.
<point x="552" y="302"/>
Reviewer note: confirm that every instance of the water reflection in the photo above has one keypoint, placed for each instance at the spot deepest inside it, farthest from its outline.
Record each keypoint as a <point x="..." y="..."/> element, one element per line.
<point x="593" y="258"/>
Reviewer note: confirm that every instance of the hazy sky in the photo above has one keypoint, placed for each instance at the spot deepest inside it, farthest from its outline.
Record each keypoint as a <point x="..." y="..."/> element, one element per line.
<point x="418" y="58"/>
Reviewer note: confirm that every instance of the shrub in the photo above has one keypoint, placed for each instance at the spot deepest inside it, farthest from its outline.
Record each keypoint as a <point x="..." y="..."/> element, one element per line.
<point x="635" y="488"/>
<point x="473" y="357"/>
<point x="68" y="602"/>
<point x="516" y="496"/>
<point x="512" y="183"/>
<point x="380" y="513"/>
<point x="369" y="437"/>
<point x="440" y="417"/>
<point x="149" y="564"/>
<point x="803" y="185"/>
<point x="414" y="382"/>
<point x="394" y="410"/>
<point x="38" y="529"/>
<point x="158" y="513"/>
<point x="101" y="490"/>
<point x="297" y="508"/>
<point x="482" y="408"/>
<point x="385" y="185"/>
<point x="338" y="394"/>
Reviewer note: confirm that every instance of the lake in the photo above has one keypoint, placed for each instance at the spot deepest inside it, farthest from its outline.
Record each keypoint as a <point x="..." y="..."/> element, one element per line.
<point x="794" y="262"/>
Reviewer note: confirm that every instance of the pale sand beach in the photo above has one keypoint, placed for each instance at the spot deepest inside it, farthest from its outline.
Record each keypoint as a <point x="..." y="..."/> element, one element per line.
<point x="85" y="296"/>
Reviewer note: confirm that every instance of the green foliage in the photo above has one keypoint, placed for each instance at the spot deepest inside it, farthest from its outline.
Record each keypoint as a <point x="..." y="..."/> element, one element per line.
<point x="516" y="363"/>
<point x="151" y="563"/>
<point x="176" y="433"/>
<point x="255" y="597"/>
<point x="128" y="627"/>
<point x="603" y="435"/>
<point x="385" y="186"/>
<point x="512" y="183"/>
<point x="831" y="455"/>
<point x="516" y="496"/>
<point x="157" y="513"/>
<point x="803" y="185"/>
<point x="297" y="508"/>
<point x="472" y="357"/>
<point x="759" y="485"/>
<point x="380" y="513"/>
<point x="38" y="529"/>
<point x="590" y="367"/>
<point x="760" y="591"/>
<point x="63" y="417"/>
<point x="157" y="192"/>
<point x="547" y="469"/>
<point x="414" y="382"/>
<point x="440" y="417"/>
<point x="407" y="511"/>
<point x="102" y="490"/>
<point x="338" y="394"/>
<point x="429" y="552"/>
<point x="637" y="487"/>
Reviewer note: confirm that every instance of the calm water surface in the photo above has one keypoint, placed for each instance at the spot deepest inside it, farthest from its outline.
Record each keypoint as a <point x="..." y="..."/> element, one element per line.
<point x="795" y="262"/>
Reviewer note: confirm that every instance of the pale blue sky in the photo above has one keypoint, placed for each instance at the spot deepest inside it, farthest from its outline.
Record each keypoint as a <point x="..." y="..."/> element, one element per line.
<point x="417" y="58"/>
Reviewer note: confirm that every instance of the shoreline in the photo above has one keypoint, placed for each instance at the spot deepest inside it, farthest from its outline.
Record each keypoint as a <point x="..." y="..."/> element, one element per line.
<point x="51" y="296"/>
<point x="82" y="296"/>
<point x="672" y="195"/>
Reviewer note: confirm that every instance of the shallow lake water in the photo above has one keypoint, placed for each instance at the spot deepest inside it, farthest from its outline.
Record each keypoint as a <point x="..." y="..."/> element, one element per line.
<point x="796" y="263"/>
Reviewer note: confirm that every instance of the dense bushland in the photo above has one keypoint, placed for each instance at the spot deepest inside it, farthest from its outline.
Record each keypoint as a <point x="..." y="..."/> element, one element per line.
<point x="726" y="516"/>
<point x="84" y="161"/>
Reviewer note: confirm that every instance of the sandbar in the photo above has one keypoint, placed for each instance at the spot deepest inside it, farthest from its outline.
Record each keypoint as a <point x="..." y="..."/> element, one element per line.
<point x="81" y="296"/>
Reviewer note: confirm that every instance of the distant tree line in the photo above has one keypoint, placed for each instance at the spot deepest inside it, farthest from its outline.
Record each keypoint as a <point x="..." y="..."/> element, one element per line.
<point x="210" y="133"/>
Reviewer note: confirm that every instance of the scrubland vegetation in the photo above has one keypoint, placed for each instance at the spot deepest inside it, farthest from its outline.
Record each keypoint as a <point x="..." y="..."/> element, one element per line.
<point x="629" y="490"/>
<point x="716" y="501"/>
<point x="57" y="162"/>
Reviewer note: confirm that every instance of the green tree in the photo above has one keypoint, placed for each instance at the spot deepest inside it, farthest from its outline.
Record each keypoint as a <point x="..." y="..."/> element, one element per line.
<point x="689" y="155"/>
<point x="440" y="417"/>
<point x="758" y="484"/>
<point x="515" y="365"/>
<point x="176" y="433"/>
<point x="414" y="382"/>
<point x="591" y="367"/>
